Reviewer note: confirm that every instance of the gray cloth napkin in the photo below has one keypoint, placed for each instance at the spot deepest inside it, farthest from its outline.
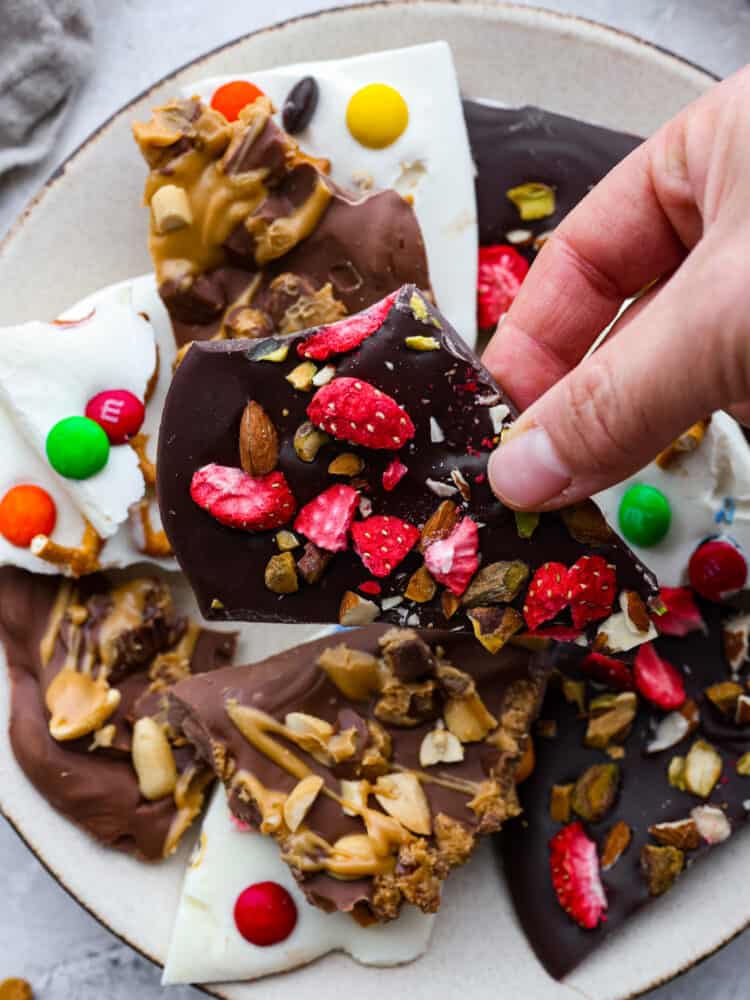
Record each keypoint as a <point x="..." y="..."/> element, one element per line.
<point x="46" y="50"/>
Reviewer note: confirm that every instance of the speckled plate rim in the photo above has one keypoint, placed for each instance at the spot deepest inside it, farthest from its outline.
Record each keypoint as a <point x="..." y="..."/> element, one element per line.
<point x="552" y="21"/>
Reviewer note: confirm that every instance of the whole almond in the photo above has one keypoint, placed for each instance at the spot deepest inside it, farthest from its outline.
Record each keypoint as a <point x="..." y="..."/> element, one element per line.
<point x="259" y="441"/>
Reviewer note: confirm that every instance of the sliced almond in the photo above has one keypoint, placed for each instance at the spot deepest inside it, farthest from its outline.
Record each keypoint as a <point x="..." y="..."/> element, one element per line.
<point x="78" y="704"/>
<point x="421" y="587"/>
<point x="259" y="441"/>
<point x="440" y="524"/>
<point x="153" y="759"/>
<point x="440" y="746"/>
<point x="354" y="796"/>
<point x="402" y="796"/>
<point x="356" y="610"/>
<point x="308" y="731"/>
<point x="682" y="833"/>
<point x="468" y="719"/>
<point x="299" y="801"/>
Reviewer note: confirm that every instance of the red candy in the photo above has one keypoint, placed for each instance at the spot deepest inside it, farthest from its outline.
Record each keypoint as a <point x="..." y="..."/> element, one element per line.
<point x="453" y="561"/>
<point x="501" y="271"/>
<point x="393" y="474"/>
<point x="26" y="511"/>
<point x="239" y="501"/>
<point x="347" y="333"/>
<point x="326" y="519"/>
<point x="265" y="914"/>
<point x="547" y="594"/>
<point x="682" y="614"/>
<point x="353" y="410"/>
<point x="717" y="569"/>
<point x="657" y="680"/>
<point x="593" y="587"/>
<point x="118" y="412"/>
<point x="382" y="542"/>
<point x="574" y="866"/>
<point x="232" y="97"/>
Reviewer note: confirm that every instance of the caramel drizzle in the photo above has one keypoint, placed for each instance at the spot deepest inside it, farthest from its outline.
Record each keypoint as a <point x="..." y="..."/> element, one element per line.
<point x="48" y="641"/>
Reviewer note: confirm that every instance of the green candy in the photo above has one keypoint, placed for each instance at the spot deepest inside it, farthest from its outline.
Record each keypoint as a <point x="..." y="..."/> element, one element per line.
<point x="77" y="448"/>
<point x="644" y="515"/>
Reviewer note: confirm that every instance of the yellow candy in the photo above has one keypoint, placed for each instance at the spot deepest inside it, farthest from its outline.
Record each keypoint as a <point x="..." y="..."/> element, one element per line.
<point x="377" y="115"/>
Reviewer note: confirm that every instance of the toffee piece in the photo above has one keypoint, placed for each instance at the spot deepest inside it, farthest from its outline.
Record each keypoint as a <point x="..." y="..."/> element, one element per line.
<point x="249" y="236"/>
<point x="339" y="475"/>
<point x="90" y="664"/>
<point x="375" y="758"/>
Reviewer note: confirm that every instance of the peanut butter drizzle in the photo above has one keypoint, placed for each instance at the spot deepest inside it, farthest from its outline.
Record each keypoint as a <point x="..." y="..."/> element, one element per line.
<point x="63" y="599"/>
<point x="255" y="726"/>
<point x="452" y="784"/>
<point x="126" y="612"/>
<point x="281" y="235"/>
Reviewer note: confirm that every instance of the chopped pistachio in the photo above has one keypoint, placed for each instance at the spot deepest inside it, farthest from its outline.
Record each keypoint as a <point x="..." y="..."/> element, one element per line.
<point x="724" y="696"/>
<point x="286" y="540"/>
<point x="281" y="574"/>
<point x="574" y="693"/>
<point x="661" y="866"/>
<point x="702" y="768"/>
<point x="277" y="355"/>
<point x="308" y="440"/>
<point x="595" y="791"/>
<point x="346" y="464"/>
<point x="533" y="200"/>
<point x="494" y="626"/>
<point x="421" y="586"/>
<point x="559" y="803"/>
<point x="676" y="773"/>
<point x="497" y="583"/>
<point x="420" y="311"/>
<point x="301" y="377"/>
<point x="613" y="724"/>
<point x="682" y="833"/>
<point x="422" y="344"/>
<point x="526" y="522"/>
<point x="743" y="765"/>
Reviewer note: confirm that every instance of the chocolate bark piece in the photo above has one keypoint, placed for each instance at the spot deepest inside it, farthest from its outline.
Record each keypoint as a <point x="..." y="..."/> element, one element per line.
<point x="237" y="207"/>
<point x="436" y="384"/>
<point x="646" y="799"/>
<point x="514" y="146"/>
<point x="50" y="627"/>
<point x="413" y="815"/>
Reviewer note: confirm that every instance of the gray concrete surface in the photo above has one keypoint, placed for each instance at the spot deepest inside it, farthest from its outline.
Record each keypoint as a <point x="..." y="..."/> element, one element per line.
<point x="44" y="936"/>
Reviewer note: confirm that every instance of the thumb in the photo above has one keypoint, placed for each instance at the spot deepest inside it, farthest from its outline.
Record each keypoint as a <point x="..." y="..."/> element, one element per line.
<point x="682" y="357"/>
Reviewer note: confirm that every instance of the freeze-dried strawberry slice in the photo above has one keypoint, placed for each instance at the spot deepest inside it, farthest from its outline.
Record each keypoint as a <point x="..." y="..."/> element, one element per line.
<point x="682" y="614"/>
<point x="353" y="410"/>
<point x="381" y="542"/>
<point x="326" y="519"/>
<point x="240" y="501"/>
<point x="574" y="865"/>
<point x="393" y="474"/>
<point x="592" y="586"/>
<point x="501" y="271"/>
<point x="608" y="670"/>
<point x="347" y="333"/>
<point x="561" y="633"/>
<point x="453" y="560"/>
<point x="547" y="594"/>
<point x="657" y="680"/>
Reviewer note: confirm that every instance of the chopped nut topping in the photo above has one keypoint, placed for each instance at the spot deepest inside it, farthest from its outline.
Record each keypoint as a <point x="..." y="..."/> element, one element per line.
<point x="286" y="540"/>
<point x="299" y="801"/>
<point x="153" y="760"/>
<point x="674" y="727"/>
<point x="401" y="795"/>
<point x="586" y="523"/>
<point x="712" y="824"/>
<point x="492" y="806"/>
<point x="683" y="445"/>
<point x="78" y="704"/>
<point x="534" y="200"/>
<point x="742" y="712"/>
<point x="346" y="464"/>
<point x="494" y="626"/>
<point x="736" y="640"/>
<point x="309" y="732"/>
<point x="440" y="746"/>
<point x="615" y="844"/>
<point x="343" y="745"/>
<point x="407" y="705"/>
<point x="595" y="791"/>
<point x="281" y="574"/>
<point x="574" y="693"/>
<point x="103" y="737"/>
<point x="455" y="842"/>
<point x="354" y="672"/>
<point x="676" y="773"/>
<point x="526" y="522"/>
<point x="449" y="603"/>
<point x="497" y="583"/>
<point x="313" y="563"/>
<point x="467" y="717"/>
<point x="661" y="866"/>
<point x="421" y="587"/>
<point x="375" y="759"/>
<point x="743" y="765"/>
<point x="703" y="767"/>
<point x="682" y="833"/>
<point x="422" y="343"/>
<point x="612" y="725"/>
<point x="406" y="655"/>
<point x="440" y="524"/>
<point x="302" y="376"/>
<point x="259" y="441"/>
<point x="635" y="611"/>
<point x="724" y="696"/>
<point x="356" y="610"/>
<point x="560" y="803"/>
<point x="308" y="440"/>
<point x="171" y="209"/>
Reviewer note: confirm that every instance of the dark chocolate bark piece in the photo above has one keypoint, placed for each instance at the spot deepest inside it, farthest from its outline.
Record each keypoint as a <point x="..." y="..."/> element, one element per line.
<point x="515" y="146"/>
<point x="249" y="236"/>
<point x="432" y="414"/>
<point x="424" y="766"/>
<point x="103" y="656"/>
<point x="657" y="812"/>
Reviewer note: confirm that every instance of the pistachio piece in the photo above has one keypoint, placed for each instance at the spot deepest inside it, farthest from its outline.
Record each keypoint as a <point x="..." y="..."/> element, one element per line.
<point x="534" y="200"/>
<point x="742" y="712"/>
<point x="346" y="464"/>
<point x="559" y="803"/>
<point x="676" y="773"/>
<point x="574" y="693"/>
<point x="526" y="522"/>
<point x="586" y="523"/>
<point x="421" y="587"/>
<point x="682" y="833"/>
<point x="743" y="765"/>
<point x="494" y="626"/>
<point x="308" y="440"/>
<point x="302" y="376"/>
<point x="259" y="441"/>
<point x="356" y="610"/>
<point x="702" y="768"/>
<point x="353" y="671"/>
<point x="496" y="583"/>
<point x="401" y="795"/>
<point x="277" y="354"/>
<point x="724" y="696"/>
<point x="712" y="824"/>
<point x="422" y="344"/>
<point x="281" y="574"/>
<point x="153" y="759"/>
<point x="440" y="747"/>
<point x="660" y="867"/>
<point x="612" y="725"/>
<point x="78" y="704"/>
<point x="595" y="791"/>
<point x="313" y="562"/>
<point x="420" y="311"/>
<point x="615" y="844"/>
<point x="300" y="800"/>
<point x="286" y="540"/>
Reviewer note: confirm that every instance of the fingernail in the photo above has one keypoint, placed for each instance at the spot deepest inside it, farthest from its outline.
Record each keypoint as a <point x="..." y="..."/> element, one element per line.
<point x="526" y="471"/>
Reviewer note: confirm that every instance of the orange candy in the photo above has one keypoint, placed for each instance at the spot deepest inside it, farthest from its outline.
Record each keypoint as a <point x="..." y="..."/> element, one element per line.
<point x="26" y="511"/>
<point x="232" y="97"/>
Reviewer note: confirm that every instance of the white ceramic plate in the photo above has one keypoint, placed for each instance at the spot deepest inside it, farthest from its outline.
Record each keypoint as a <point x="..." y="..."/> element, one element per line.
<point x="85" y="230"/>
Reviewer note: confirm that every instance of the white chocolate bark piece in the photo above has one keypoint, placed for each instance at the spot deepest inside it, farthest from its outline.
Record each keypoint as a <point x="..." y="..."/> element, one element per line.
<point x="708" y="491"/>
<point x="206" y="946"/>
<point x="430" y="162"/>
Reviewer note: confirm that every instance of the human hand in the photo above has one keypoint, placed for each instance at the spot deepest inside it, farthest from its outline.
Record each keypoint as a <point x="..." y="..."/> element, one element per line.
<point x="676" y="211"/>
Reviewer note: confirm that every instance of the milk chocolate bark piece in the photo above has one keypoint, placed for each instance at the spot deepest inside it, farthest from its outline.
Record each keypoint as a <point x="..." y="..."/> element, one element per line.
<point x="90" y="664"/>
<point x="376" y="758"/>
<point x="424" y="415"/>
<point x="673" y="818"/>
<point x="515" y="146"/>
<point x="249" y="236"/>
